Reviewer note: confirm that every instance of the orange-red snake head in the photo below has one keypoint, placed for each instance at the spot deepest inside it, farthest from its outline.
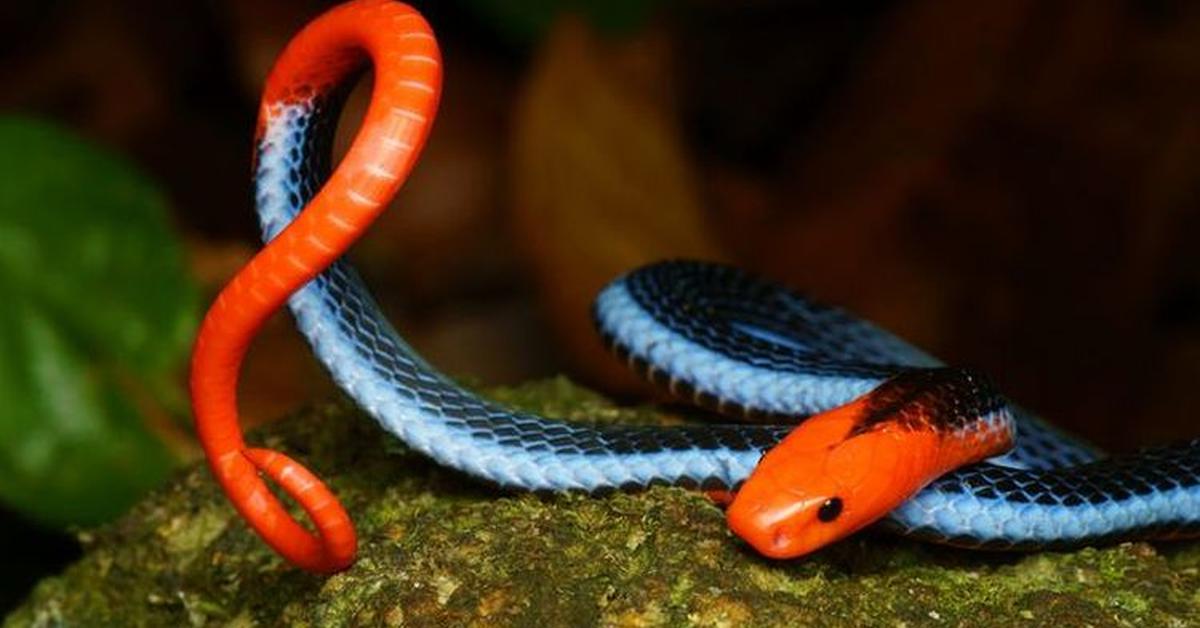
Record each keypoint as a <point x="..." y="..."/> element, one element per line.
<point x="843" y="469"/>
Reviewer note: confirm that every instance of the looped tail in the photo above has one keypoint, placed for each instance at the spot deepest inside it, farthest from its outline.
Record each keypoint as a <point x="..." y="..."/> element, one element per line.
<point x="296" y="118"/>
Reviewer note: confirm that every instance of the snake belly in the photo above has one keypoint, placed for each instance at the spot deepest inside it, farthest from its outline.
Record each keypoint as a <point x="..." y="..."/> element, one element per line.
<point x="726" y="340"/>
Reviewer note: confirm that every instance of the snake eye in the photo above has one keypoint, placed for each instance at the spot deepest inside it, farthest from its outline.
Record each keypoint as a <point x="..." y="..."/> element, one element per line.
<point x="830" y="509"/>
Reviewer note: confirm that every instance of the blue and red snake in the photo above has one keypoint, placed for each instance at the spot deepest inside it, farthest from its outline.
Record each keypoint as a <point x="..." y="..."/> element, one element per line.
<point x="891" y="435"/>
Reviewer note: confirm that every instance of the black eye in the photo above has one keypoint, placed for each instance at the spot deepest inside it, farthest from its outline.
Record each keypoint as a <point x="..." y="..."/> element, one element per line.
<point x="830" y="509"/>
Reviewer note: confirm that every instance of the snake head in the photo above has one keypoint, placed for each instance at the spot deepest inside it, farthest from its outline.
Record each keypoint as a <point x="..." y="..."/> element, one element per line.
<point x="807" y="492"/>
<point x="841" y="470"/>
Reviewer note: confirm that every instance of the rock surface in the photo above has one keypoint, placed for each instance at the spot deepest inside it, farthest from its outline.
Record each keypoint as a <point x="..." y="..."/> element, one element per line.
<point x="439" y="549"/>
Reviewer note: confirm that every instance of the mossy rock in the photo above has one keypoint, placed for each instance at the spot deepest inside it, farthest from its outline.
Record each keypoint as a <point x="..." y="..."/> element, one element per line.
<point x="439" y="549"/>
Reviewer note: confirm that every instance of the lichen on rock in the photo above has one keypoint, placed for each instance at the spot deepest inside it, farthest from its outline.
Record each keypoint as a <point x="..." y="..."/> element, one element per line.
<point x="437" y="548"/>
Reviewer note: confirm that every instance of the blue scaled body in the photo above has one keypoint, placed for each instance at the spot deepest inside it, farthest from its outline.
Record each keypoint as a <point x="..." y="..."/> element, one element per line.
<point x="727" y="341"/>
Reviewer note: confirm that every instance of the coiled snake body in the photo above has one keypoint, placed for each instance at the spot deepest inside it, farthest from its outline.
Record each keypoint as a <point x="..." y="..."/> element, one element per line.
<point x="709" y="333"/>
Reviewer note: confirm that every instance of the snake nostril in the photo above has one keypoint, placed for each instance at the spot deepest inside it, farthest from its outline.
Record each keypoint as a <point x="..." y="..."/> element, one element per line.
<point x="780" y="539"/>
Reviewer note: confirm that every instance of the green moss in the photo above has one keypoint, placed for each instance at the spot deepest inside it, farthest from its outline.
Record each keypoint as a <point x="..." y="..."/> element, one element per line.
<point x="438" y="548"/>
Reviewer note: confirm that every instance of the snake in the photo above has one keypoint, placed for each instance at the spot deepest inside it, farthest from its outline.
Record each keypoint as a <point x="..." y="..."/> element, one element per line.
<point x="843" y="425"/>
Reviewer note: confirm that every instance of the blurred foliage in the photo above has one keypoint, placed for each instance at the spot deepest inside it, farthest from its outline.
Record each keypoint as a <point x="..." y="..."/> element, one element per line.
<point x="98" y="314"/>
<point x="526" y="23"/>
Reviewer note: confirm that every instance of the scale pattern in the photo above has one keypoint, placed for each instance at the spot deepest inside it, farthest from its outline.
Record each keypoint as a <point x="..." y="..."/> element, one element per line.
<point x="730" y="342"/>
<point x="1154" y="494"/>
<point x="758" y="369"/>
<point x="937" y="399"/>
<point x="430" y="413"/>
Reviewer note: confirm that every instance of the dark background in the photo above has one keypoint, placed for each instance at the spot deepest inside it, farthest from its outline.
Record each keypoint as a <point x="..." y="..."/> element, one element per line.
<point x="1009" y="184"/>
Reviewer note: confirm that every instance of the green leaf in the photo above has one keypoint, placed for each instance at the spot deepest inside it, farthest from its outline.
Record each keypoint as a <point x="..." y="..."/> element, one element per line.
<point x="96" y="315"/>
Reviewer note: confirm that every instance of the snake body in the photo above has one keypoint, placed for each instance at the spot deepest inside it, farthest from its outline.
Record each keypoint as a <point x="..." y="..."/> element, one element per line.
<point x="708" y="333"/>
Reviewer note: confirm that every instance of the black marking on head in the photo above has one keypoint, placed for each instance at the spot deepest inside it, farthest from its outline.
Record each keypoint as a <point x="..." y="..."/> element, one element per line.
<point x="941" y="399"/>
<point x="830" y="509"/>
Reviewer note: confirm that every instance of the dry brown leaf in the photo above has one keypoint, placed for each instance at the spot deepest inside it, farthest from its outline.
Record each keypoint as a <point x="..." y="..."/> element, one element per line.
<point x="602" y="183"/>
